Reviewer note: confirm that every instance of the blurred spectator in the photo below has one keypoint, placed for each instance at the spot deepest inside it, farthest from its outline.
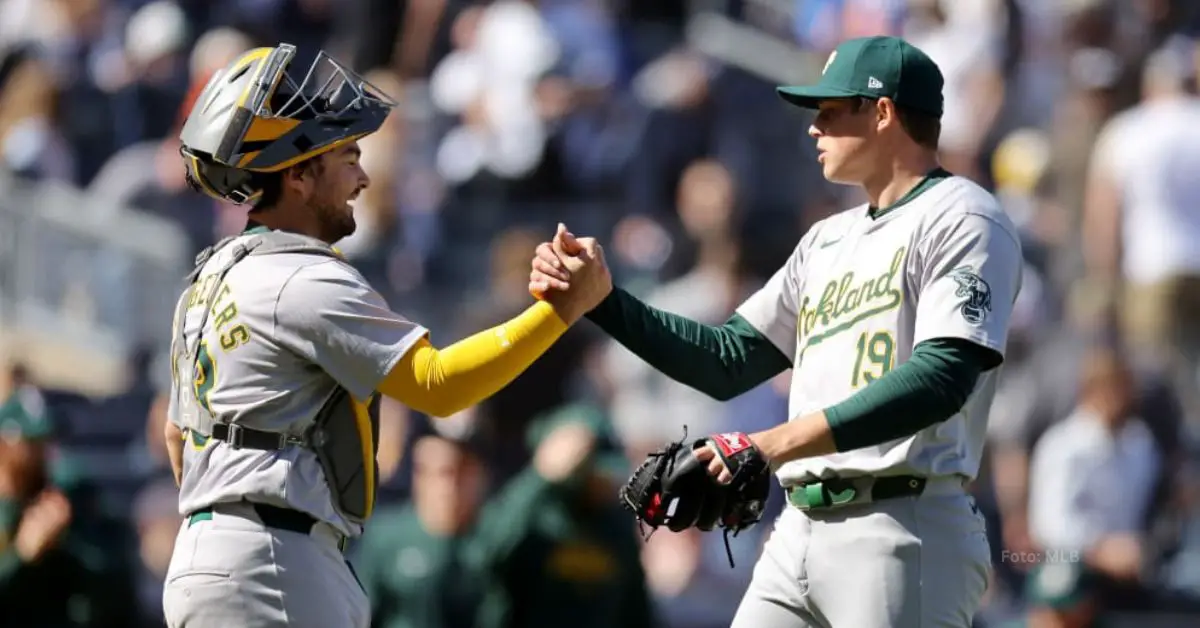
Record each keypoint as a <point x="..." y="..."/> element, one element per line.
<point x="411" y="559"/>
<point x="1095" y="478"/>
<point x="16" y="384"/>
<point x="488" y="83"/>
<point x="61" y="562"/>
<point x="31" y="142"/>
<point x="155" y="78"/>
<point x="1061" y="595"/>
<point x="85" y="53"/>
<point x="548" y="548"/>
<point x="579" y="562"/>
<point x="1141" y="224"/>
<point x="1020" y="172"/>
<point x="148" y="174"/>
<point x="966" y="51"/>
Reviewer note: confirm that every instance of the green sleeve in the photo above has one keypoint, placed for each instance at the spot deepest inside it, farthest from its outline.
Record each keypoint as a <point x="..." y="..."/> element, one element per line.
<point x="506" y="520"/>
<point x="929" y="388"/>
<point x="720" y="361"/>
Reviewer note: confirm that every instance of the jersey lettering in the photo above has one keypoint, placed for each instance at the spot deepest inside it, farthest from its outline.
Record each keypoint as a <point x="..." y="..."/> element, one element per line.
<point x="235" y="338"/>
<point x="876" y="356"/>
<point x="846" y="300"/>
<point x="231" y="334"/>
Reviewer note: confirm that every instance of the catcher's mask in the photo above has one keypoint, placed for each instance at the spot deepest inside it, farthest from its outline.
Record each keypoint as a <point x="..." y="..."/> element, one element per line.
<point x="254" y="117"/>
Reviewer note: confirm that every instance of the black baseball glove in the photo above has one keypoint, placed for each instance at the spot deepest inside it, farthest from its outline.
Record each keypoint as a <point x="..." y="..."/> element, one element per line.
<point x="673" y="488"/>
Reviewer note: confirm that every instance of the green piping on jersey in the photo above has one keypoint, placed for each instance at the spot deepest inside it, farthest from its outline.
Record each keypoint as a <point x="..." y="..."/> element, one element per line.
<point x="254" y="228"/>
<point x="933" y="178"/>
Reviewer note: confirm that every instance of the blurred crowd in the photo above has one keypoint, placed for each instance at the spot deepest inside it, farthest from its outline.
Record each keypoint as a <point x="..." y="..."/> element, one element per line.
<point x="654" y="126"/>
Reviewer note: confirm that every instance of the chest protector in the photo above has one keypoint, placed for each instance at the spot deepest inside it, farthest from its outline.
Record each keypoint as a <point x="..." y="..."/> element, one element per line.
<point x="343" y="435"/>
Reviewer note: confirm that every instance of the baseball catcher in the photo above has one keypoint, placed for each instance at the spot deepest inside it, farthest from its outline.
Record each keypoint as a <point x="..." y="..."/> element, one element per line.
<point x="673" y="487"/>
<point x="281" y="351"/>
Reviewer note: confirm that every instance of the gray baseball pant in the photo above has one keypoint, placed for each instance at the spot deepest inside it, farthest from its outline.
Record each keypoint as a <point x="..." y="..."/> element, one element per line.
<point x="234" y="571"/>
<point x="909" y="562"/>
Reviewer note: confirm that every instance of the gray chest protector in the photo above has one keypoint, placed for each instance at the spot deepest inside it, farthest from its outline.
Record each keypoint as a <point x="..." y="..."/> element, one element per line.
<point x="344" y="434"/>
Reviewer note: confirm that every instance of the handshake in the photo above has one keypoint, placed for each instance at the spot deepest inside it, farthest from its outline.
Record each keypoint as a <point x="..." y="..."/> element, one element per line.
<point x="570" y="273"/>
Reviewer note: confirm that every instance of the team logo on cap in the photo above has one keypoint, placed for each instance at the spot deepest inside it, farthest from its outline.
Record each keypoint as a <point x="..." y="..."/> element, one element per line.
<point x="829" y="62"/>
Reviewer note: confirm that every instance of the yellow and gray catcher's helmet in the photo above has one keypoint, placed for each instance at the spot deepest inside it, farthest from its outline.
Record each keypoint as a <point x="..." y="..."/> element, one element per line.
<point x="254" y="117"/>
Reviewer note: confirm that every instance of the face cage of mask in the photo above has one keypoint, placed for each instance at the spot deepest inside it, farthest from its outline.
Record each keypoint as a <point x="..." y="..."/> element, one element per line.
<point x="329" y="91"/>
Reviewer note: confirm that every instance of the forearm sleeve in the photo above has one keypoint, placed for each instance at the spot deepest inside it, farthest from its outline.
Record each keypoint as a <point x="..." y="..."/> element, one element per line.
<point x="929" y="388"/>
<point x="721" y="361"/>
<point x="441" y="382"/>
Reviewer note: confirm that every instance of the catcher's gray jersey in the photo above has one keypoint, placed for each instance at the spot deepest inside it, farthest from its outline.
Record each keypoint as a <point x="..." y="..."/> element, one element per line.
<point x="282" y="331"/>
<point x="859" y="293"/>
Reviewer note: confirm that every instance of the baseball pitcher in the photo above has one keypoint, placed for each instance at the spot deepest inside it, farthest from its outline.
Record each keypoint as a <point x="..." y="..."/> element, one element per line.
<point x="893" y="317"/>
<point x="281" y="349"/>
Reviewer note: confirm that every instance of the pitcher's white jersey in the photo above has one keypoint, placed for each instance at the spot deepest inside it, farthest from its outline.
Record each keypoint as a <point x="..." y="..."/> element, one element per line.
<point x="859" y="292"/>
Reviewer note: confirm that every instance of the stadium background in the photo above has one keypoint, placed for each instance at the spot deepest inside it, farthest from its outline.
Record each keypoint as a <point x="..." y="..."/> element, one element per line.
<point x="652" y="125"/>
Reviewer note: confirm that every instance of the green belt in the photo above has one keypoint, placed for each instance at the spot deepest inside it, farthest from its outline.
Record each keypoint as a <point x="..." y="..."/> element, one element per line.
<point x="840" y="491"/>
<point x="272" y="517"/>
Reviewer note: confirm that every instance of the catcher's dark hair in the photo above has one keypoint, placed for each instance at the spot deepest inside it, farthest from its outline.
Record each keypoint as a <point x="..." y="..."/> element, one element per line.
<point x="271" y="183"/>
<point x="923" y="128"/>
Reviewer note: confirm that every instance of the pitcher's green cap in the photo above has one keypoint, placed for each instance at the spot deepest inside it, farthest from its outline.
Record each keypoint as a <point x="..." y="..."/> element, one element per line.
<point x="875" y="67"/>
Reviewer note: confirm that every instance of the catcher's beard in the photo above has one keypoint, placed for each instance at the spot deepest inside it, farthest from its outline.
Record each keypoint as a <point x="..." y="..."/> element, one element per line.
<point x="333" y="219"/>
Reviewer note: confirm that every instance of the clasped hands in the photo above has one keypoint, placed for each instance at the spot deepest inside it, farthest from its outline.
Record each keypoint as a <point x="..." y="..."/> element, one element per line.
<point x="571" y="274"/>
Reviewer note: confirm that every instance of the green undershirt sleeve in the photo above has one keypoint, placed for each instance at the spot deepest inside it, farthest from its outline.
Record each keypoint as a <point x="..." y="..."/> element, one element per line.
<point x="930" y="387"/>
<point x="720" y="361"/>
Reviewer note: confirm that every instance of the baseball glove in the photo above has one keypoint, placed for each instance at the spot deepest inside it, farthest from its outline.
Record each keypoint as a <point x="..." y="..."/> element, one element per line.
<point x="673" y="488"/>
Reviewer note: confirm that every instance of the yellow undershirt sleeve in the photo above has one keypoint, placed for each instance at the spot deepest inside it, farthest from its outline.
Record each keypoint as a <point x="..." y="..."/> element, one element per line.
<point x="441" y="382"/>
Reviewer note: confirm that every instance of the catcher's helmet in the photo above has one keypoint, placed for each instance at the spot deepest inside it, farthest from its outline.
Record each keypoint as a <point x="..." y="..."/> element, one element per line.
<point x="254" y="117"/>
